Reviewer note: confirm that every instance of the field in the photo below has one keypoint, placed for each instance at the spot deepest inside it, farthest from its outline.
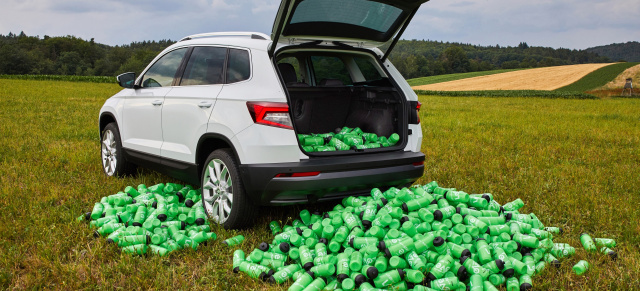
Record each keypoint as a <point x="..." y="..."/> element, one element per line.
<point x="598" y="78"/>
<point x="548" y="78"/>
<point x="452" y="77"/>
<point x="573" y="162"/>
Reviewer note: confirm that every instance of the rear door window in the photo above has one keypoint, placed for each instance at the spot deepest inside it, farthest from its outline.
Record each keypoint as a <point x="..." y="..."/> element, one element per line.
<point x="330" y="71"/>
<point x="205" y="66"/>
<point x="238" y="66"/>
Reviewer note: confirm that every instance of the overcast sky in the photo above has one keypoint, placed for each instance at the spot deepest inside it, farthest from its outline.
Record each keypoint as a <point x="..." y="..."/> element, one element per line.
<point x="575" y="24"/>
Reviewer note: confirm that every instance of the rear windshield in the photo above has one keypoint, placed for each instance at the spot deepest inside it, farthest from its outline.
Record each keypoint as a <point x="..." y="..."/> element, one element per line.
<point x="363" y="13"/>
<point x="331" y="69"/>
<point x="359" y="19"/>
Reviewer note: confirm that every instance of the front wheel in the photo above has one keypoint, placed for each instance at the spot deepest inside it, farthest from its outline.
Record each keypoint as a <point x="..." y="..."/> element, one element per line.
<point x="223" y="195"/>
<point x="113" y="161"/>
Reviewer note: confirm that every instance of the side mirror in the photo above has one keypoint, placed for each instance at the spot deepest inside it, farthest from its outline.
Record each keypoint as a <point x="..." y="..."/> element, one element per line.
<point x="127" y="80"/>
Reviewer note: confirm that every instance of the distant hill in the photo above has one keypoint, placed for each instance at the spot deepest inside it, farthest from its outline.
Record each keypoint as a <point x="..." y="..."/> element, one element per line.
<point x="629" y="51"/>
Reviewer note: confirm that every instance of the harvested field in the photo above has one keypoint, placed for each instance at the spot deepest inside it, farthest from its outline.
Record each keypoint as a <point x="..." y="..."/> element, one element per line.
<point x="548" y="78"/>
<point x="618" y="82"/>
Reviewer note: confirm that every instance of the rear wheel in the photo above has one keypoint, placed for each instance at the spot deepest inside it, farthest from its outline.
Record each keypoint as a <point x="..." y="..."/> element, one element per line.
<point x="223" y="195"/>
<point x="113" y="161"/>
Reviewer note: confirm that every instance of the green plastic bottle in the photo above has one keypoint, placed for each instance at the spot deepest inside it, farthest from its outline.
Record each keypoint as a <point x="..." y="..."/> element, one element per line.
<point x="474" y="268"/>
<point x="302" y="282"/>
<point x="525" y="282"/>
<point x="581" y="267"/>
<point x="587" y="242"/>
<point x="513" y="284"/>
<point x="233" y="241"/>
<point x="448" y="283"/>
<point x="389" y="278"/>
<point x="476" y="283"/>
<point x="440" y="268"/>
<point x="610" y="252"/>
<point x="607" y="242"/>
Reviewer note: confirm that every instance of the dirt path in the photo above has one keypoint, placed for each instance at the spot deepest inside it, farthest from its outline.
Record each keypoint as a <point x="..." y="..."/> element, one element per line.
<point x="549" y="78"/>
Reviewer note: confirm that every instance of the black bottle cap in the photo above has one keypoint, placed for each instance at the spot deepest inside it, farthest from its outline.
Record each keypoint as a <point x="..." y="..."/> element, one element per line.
<point x="404" y="219"/>
<point x="372" y="273"/>
<point x="323" y="240"/>
<point x="137" y="224"/>
<point x="387" y="253"/>
<point x="410" y="285"/>
<point x="402" y="273"/>
<point x="508" y="216"/>
<point x="271" y="272"/>
<point x="384" y="200"/>
<point x="189" y="203"/>
<point x="360" y="279"/>
<point x="524" y="250"/>
<point x="434" y="202"/>
<point x="462" y="259"/>
<point x="263" y="246"/>
<point x="462" y="274"/>
<point x="488" y="231"/>
<point x="308" y="266"/>
<point x="341" y="277"/>
<point x="486" y="197"/>
<point x="479" y="239"/>
<point x="299" y="231"/>
<point x="96" y="234"/>
<point x="200" y="221"/>
<point x="225" y="242"/>
<point x="87" y="216"/>
<point x="519" y="246"/>
<point x="313" y="276"/>
<point x="500" y="264"/>
<point x="465" y="253"/>
<point x="284" y="247"/>
<point x="236" y="270"/>
<point x="351" y="242"/>
<point x="103" y="214"/>
<point x="263" y="276"/>
<point x="613" y="255"/>
<point x="327" y="139"/>
<point x="271" y="280"/>
<point x="378" y="206"/>
<point x="366" y="224"/>
<point x="133" y="201"/>
<point x="501" y="210"/>
<point x="164" y="226"/>
<point x="525" y="286"/>
<point x="509" y="273"/>
<point x="430" y="277"/>
<point x="163" y="217"/>
<point x="556" y="263"/>
<point x="528" y="254"/>
<point x="404" y="207"/>
<point x="180" y="195"/>
<point x="438" y="241"/>
<point x="310" y="226"/>
<point x="155" y="204"/>
<point x="148" y="239"/>
<point x="458" y="210"/>
<point x="325" y="280"/>
<point x="110" y="241"/>
<point x="361" y="214"/>
<point x="183" y="225"/>
<point x="561" y="230"/>
<point x="437" y="215"/>
<point x="382" y="246"/>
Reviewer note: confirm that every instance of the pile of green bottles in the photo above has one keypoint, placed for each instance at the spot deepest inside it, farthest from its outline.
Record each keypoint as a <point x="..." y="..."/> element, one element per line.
<point x="422" y="238"/>
<point x="159" y="219"/>
<point x="589" y="245"/>
<point x="345" y="139"/>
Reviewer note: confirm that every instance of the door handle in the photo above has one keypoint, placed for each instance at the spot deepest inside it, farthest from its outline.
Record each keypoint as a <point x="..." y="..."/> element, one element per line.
<point x="157" y="102"/>
<point x="205" y="104"/>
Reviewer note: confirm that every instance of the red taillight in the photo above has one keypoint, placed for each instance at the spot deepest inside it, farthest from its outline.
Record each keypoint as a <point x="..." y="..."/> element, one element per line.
<point x="418" y="164"/>
<point x="270" y="113"/>
<point x="302" y="174"/>
<point x="418" y="110"/>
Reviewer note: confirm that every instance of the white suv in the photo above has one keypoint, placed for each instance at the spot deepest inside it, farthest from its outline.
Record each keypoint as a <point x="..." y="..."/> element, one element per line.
<point x="237" y="113"/>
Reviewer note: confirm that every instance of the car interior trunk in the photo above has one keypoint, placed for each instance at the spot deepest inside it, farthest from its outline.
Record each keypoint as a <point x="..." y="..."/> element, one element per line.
<point x="327" y="99"/>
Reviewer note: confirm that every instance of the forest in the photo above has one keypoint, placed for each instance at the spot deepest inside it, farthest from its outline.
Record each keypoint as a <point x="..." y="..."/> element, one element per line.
<point x="70" y="55"/>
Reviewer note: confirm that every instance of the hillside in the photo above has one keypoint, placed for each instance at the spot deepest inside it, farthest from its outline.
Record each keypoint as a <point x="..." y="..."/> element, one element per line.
<point x="629" y="51"/>
<point x="549" y="78"/>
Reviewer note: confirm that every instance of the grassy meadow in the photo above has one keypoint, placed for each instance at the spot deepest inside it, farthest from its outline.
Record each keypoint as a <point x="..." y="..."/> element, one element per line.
<point x="573" y="162"/>
<point x="453" y="77"/>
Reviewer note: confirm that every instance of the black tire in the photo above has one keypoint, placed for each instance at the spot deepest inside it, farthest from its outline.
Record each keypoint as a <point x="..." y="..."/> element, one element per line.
<point x="111" y="153"/>
<point x="240" y="211"/>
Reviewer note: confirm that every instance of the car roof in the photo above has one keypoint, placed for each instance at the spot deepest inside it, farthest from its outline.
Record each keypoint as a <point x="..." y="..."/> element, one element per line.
<point x="251" y="40"/>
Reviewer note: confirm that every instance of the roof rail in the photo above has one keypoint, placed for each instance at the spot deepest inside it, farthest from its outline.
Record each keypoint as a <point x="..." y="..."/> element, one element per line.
<point x="253" y="35"/>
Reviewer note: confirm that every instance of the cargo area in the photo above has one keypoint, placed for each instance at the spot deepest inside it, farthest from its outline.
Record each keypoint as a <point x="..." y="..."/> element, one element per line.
<point x="330" y="91"/>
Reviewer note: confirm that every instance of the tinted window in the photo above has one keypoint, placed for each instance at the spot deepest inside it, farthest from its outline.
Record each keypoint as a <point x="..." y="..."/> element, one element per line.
<point x="161" y="73"/>
<point x="328" y="69"/>
<point x="364" y="13"/>
<point x="204" y="66"/>
<point x="239" y="66"/>
<point x="367" y="68"/>
<point x="296" y="66"/>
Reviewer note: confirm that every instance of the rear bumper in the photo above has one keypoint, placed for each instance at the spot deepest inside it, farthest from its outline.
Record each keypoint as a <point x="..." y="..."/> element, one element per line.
<point x="339" y="177"/>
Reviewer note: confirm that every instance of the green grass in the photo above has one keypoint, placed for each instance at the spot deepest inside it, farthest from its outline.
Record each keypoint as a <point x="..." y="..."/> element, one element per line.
<point x="573" y="162"/>
<point x="597" y="78"/>
<point x="511" y="93"/>
<point x="69" y="78"/>
<point x="452" y="77"/>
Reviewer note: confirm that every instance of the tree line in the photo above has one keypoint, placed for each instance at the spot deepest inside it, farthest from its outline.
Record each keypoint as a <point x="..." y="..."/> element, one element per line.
<point x="421" y="58"/>
<point x="70" y="55"/>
